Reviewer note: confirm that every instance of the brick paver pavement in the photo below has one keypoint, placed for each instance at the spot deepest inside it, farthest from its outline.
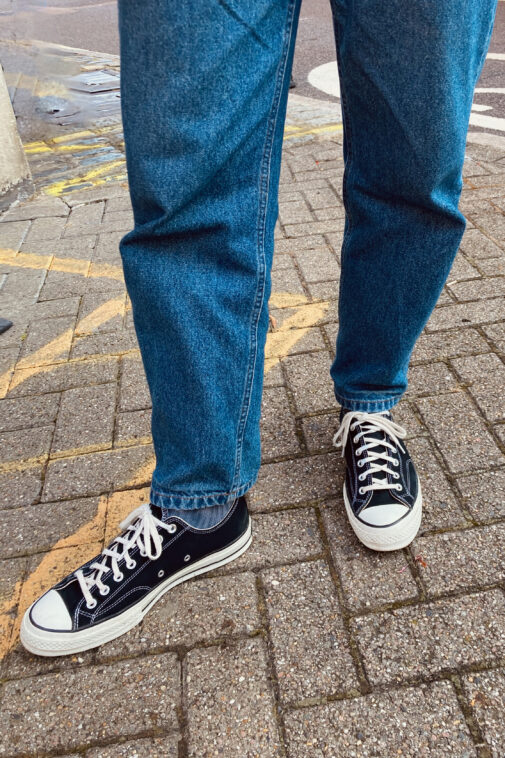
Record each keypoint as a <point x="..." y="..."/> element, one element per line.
<point x="309" y="646"/>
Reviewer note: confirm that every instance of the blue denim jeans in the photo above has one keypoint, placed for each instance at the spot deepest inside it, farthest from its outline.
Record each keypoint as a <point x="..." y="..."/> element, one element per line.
<point x="204" y="86"/>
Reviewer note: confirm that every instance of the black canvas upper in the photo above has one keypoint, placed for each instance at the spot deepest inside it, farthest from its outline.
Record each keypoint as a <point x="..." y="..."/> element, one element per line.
<point x="406" y="471"/>
<point x="179" y="550"/>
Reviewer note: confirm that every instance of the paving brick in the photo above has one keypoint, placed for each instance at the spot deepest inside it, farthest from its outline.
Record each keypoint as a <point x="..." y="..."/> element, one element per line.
<point x="496" y="332"/>
<point x="45" y="229"/>
<point x="479" y="289"/>
<point x="461" y="269"/>
<point x="287" y="279"/>
<point x="18" y="488"/>
<point x="486" y="377"/>
<point x="11" y="579"/>
<point x="114" y="221"/>
<point x="485" y="693"/>
<point x="85" y="419"/>
<point x="492" y="266"/>
<point x="113" y="343"/>
<point x="97" y="703"/>
<point x="161" y="747"/>
<point x="323" y="290"/>
<point x="278" y="431"/>
<point x="411" y="722"/>
<point x="41" y="334"/>
<point x="25" y="443"/>
<point x="132" y="426"/>
<point x="22" y="284"/>
<point x="133" y="392"/>
<point x="54" y="521"/>
<point x="196" y="612"/>
<point x="80" y="248"/>
<point x="318" y="265"/>
<point x="230" y="703"/>
<point x="273" y="374"/>
<point x="318" y="431"/>
<point x="64" y="376"/>
<point x="325" y="214"/>
<point x="483" y="494"/>
<point x="360" y="569"/>
<point x="84" y="219"/>
<point x="322" y="197"/>
<point x="463" y="560"/>
<point x="107" y="248"/>
<point x="431" y="379"/>
<point x="22" y="413"/>
<point x="491" y="222"/>
<point x="296" y="212"/>
<point x="311" y="651"/>
<point x="479" y="312"/>
<point x="64" y="306"/>
<point x="440" y="506"/>
<point x="13" y="233"/>
<point x="309" y="379"/>
<point x="308" y="242"/>
<point x="297" y="481"/>
<point x="426" y="639"/>
<point x="314" y="227"/>
<point x="280" y="538"/>
<point x="37" y="208"/>
<point x="91" y="302"/>
<point x="459" y="432"/>
<point x="96" y="473"/>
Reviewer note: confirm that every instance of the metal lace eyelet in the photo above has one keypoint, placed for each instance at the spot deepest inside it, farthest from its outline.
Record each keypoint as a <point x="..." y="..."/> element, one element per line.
<point x="352" y="427"/>
<point x="361" y="490"/>
<point x="131" y="564"/>
<point x="361" y="477"/>
<point x="107" y="588"/>
<point x="142" y="553"/>
<point x="355" y="439"/>
<point x="396" y="475"/>
<point x="360" y="463"/>
<point x="187" y="558"/>
<point x="118" y="577"/>
<point x="396" y="462"/>
<point x="172" y="528"/>
<point x="161" y="573"/>
<point x="399" y="487"/>
<point x="91" y="605"/>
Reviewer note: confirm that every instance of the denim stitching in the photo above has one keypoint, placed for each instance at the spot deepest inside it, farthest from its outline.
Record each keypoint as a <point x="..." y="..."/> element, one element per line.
<point x="169" y="500"/>
<point x="264" y="185"/>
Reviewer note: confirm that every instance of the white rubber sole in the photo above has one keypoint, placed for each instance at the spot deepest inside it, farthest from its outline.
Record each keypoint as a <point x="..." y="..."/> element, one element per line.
<point x="42" y="642"/>
<point x="387" y="538"/>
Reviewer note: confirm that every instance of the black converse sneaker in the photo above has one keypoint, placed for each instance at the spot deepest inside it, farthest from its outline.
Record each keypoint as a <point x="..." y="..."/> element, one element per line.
<point x="382" y="493"/>
<point x="112" y="593"/>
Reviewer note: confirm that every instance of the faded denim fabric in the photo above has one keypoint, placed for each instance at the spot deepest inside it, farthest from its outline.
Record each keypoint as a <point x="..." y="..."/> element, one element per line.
<point x="204" y="87"/>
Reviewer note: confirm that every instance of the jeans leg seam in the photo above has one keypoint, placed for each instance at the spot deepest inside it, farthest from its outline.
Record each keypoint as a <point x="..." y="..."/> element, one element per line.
<point x="264" y="184"/>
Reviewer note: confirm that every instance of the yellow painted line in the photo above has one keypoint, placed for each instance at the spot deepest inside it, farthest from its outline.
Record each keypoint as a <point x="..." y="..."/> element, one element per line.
<point x="49" y="353"/>
<point x="65" y="148"/>
<point x="73" y="136"/>
<point x="66" y="265"/>
<point x="316" y="130"/>
<point x="93" y="177"/>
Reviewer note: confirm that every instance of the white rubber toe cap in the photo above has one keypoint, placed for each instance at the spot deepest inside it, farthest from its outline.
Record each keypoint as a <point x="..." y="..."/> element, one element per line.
<point x="383" y="515"/>
<point x="50" y="612"/>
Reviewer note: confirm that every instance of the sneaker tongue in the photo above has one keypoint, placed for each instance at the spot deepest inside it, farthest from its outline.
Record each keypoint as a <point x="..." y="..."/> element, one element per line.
<point x="156" y="511"/>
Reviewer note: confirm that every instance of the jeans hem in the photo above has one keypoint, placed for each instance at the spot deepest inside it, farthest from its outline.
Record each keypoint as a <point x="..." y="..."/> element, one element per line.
<point x="366" y="406"/>
<point x="193" y="501"/>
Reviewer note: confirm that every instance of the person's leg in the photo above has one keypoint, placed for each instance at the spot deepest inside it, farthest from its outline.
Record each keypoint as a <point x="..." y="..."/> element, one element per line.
<point x="204" y="88"/>
<point x="407" y="75"/>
